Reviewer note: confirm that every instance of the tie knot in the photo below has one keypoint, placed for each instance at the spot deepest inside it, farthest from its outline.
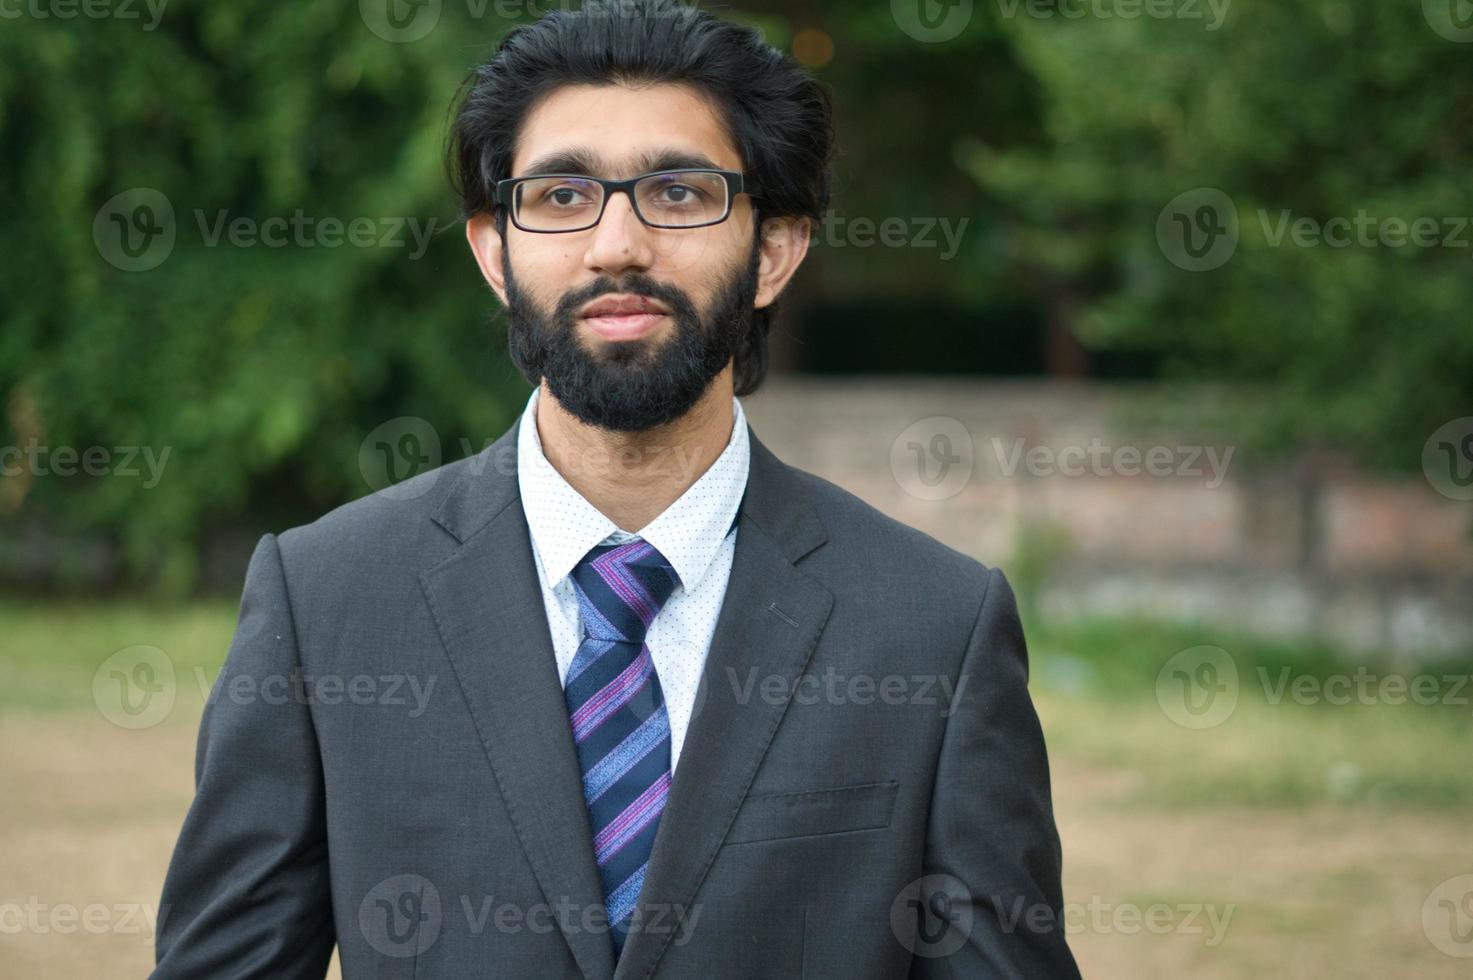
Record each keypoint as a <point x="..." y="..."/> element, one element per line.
<point x="621" y="587"/>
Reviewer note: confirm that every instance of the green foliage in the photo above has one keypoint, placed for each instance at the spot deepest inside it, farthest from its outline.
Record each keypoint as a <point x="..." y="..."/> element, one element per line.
<point x="242" y="362"/>
<point x="261" y="369"/>
<point x="1320" y="110"/>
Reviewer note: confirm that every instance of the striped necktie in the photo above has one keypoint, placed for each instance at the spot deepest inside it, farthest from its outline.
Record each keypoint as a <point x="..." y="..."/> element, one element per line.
<point x="617" y="713"/>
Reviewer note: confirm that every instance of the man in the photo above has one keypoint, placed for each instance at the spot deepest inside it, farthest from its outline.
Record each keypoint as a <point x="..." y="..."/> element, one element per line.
<point x="667" y="706"/>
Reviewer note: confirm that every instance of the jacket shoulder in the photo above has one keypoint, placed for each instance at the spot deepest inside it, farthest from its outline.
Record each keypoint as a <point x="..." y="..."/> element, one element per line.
<point x="386" y="522"/>
<point x="859" y="531"/>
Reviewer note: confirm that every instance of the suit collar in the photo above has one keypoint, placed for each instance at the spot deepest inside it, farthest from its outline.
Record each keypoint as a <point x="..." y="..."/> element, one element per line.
<point x="488" y="611"/>
<point x="773" y="500"/>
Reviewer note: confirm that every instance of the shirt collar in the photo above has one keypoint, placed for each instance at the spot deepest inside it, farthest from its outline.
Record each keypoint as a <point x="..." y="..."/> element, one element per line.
<point x="564" y="525"/>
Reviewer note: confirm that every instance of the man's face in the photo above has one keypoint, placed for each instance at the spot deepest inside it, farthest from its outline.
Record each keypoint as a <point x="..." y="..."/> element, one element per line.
<point x="628" y="373"/>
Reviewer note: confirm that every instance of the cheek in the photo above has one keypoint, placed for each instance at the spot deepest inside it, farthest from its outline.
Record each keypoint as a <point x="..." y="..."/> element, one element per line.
<point x="696" y="258"/>
<point x="545" y="270"/>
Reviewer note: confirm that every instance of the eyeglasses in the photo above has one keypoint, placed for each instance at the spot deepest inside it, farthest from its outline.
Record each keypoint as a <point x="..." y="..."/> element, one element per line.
<point x="663" y="199"/>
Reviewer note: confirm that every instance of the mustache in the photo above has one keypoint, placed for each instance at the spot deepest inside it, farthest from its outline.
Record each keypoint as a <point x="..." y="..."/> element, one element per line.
<point x="637" y="284"/>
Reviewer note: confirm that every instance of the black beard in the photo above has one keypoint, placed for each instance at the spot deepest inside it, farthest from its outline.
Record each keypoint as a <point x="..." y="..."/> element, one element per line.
<point x="632" y="385"/>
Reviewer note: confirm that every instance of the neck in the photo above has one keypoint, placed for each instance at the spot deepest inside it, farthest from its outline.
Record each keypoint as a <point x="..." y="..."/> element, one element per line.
<point x="631" y="477"/>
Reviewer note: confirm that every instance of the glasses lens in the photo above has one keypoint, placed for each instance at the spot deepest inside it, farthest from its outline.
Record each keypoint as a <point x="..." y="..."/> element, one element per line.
<point x="557" y="203"/>
<point x="677" y="200"/>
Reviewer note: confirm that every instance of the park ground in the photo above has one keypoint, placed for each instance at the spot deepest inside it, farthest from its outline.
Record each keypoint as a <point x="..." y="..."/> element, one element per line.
<point x="1295" y="837"/>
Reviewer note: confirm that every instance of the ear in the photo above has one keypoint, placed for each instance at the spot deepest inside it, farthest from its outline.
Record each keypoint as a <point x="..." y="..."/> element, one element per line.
<point x="486" y="245"/>
<point x="784" y="243"/>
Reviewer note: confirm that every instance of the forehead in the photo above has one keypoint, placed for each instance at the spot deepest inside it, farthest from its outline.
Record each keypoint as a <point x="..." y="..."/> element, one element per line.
<point x="619" y="131"/>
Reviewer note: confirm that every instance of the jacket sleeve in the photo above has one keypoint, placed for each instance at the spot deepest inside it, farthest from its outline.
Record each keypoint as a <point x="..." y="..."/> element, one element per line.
<point x="990" y="902"/>
<point x="246" y="894"/>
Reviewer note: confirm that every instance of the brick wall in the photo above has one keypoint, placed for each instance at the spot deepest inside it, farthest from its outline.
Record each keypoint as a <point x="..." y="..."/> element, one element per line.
<point x="1137" y="513"/>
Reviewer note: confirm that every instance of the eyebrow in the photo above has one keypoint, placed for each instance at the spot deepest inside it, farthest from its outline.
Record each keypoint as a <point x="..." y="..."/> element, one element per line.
<point x="587" y="161"/>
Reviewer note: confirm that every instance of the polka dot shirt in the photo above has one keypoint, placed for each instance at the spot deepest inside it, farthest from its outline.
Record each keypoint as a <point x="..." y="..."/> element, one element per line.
<point x="694" y="533"/>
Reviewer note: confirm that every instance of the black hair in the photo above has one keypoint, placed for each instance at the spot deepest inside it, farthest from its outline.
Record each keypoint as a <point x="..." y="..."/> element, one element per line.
<point x="779" y="117"/>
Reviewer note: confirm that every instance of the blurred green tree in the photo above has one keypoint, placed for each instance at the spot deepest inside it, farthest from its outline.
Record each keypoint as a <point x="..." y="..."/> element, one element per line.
<point x="258" y="360"/>
<point x="261" y="368"/>
<point x="1350" y="121"/>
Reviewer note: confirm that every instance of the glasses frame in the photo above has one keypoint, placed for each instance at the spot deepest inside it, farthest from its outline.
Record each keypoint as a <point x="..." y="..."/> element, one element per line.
<point x="735" y="184"/>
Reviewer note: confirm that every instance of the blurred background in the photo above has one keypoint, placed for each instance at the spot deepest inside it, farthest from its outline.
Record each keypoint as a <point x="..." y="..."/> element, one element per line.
<point x="1165" y="307"/>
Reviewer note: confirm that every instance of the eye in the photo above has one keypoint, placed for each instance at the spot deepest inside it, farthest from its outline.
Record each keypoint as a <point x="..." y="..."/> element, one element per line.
<point x="681" y="194"/>
<point x="565" y="195"/>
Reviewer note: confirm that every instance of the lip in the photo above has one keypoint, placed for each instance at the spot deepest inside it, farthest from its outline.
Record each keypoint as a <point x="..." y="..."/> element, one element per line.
<point x="629" y="326"/>
<point x="622" y="304"/>
<point x="621" y="316"/>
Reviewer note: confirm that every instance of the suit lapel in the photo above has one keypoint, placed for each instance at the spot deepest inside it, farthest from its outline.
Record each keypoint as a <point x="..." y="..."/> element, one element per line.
<point x="487" y="605"/>
<point x="768" y="626"/>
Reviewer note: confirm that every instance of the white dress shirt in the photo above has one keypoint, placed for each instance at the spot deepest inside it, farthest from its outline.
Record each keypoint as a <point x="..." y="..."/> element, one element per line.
<point x="692" y="534"/>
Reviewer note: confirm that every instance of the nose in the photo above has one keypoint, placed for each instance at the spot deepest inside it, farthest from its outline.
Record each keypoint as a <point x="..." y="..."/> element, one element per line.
<point x="620" y="240"/>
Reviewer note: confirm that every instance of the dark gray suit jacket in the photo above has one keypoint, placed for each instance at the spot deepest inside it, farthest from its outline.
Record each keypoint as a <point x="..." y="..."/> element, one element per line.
<point x="386" y="763"/>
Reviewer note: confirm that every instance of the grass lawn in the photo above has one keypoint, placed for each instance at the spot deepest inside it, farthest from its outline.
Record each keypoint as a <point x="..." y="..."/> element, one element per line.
<point x="1347" y="737"/>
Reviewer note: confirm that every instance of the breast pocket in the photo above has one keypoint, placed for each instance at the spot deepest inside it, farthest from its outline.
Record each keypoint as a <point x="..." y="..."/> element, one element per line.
<point x="775" y="816"/>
